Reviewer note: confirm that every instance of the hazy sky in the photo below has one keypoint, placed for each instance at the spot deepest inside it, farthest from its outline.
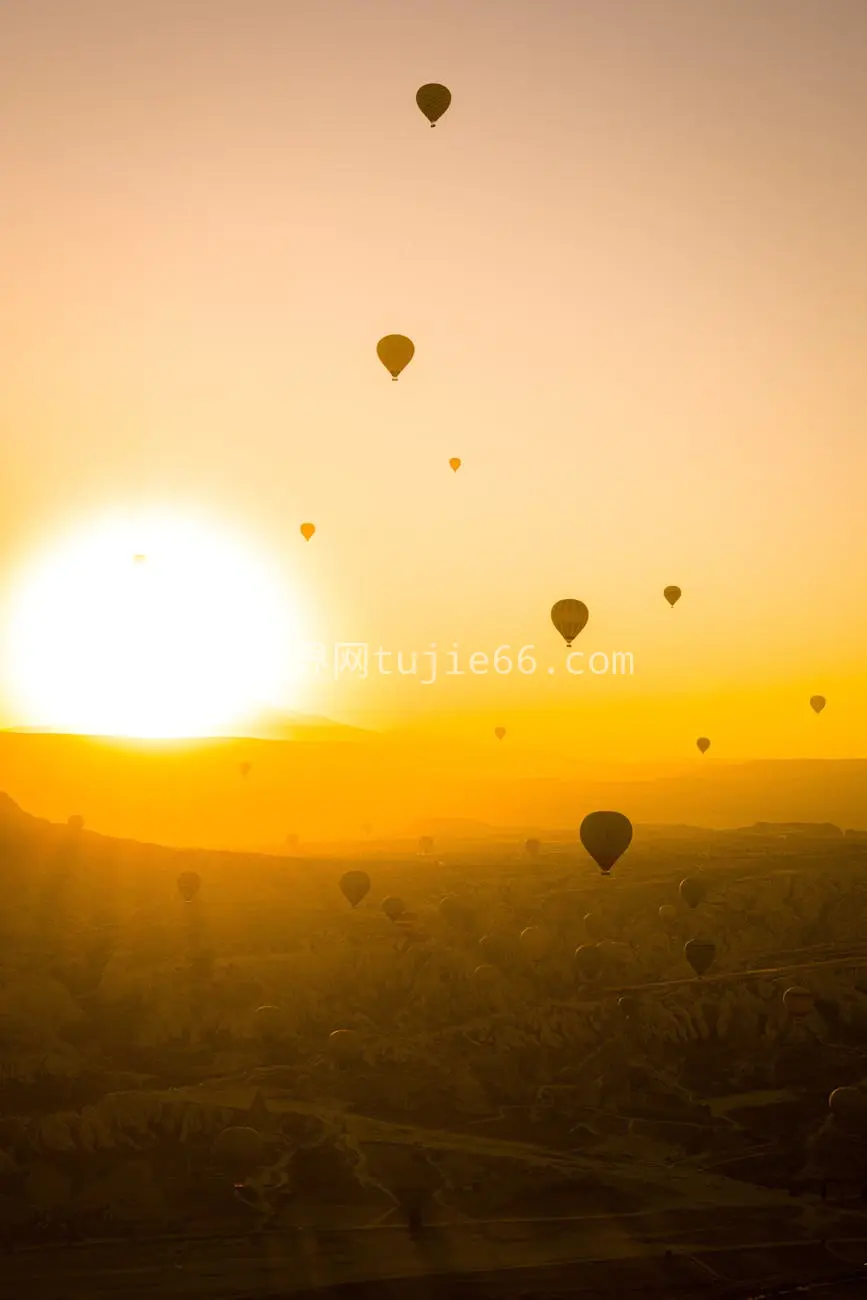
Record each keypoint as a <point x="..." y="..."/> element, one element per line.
<point x="632" y="257"/>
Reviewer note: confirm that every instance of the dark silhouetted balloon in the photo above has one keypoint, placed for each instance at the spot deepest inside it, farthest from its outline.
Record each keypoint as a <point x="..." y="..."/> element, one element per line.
<point x="455" y="463"/>
<point x="270" y="1022"/>
<point x="569" y="617"/>
<point x="629" y="1006"/>
<point x="703" y="744"/>
<point x="535" y="942"/>
<point x="395" y="352"/>
<point x="307" y="531"/>
<point x="75" y="823"/>
<point x="594" y="926"/>
<point x="499" y="949"/>
<point x="499" y="732"/>
<point x="245" y="768"/>
<point x="238" y="1151"/>
<point x="798" y="1002"/>
<point x="533" y="847"/>
<point x="605" y="836"/>
<point x="433" y="100"/>
<point x="668" y="915"/>
<point x="426" y="844"/>
<point x="672" y="595"/>
<point x="189" y="883"/>
<point x="354" y="885"/>
<point x="849" y="1108"/>
<point x="817" y="703"/>
<point x="455" y="912"/>
<point x="345" y="1045"/>
<point x="394" y="908"/>
<point x="700" y="953"/>
<point x="487" y="977"/>
<point x="693" y="890"/>
<point x="588" y="961"/>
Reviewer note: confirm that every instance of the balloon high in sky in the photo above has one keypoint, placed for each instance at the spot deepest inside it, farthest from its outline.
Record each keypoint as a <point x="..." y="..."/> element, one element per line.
<point x="433" y="100"/>
<point x="606" y="836"/>
<point x="395" y="352"/>
<point x="672" y="595"/>
<point x="307" y="531"/>
<point x="569" y="617"/>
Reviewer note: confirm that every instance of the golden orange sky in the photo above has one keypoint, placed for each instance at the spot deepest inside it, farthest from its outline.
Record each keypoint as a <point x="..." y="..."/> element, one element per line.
<point x="632" y="258"/>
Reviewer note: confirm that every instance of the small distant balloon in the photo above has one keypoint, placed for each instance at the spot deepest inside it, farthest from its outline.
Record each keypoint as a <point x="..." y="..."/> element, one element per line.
<point x="849" y="1107"/>
<point x="189" y="883"/>
<point x="693" y="890"/>
<point x="668" y="915"/>
<point x="455" y="463"/>
<point x="139" y="559"/>
<point x="817" y="703"/>
<point x="395" y="351"/>
<point x="238" y="1151"/>
<point x="345" y="1045"/>
<point x="700" y="953"/>
<point x="594" y="926"/>
<point x="499" y="732"/>
<point x="269" y="1022"/>
<point x="75" y="823"/>
<point x="244" y="768"/>
<point x="433" y="100"/>
<point x="533" y="846"/>
<point x="535" y="942"/>
<point x="394" y="908"/>
<point x="672" y="595"/>
<point x="703" y="744"/>
<point x="354" y="886"/>
<point x="307" y="531"/>
<point x="606" y="836"/>
<point x="588" y="961"/>
<point x="426" y="844"/>
<point x="569" y="617"/>
<point x="798" y="1002"/>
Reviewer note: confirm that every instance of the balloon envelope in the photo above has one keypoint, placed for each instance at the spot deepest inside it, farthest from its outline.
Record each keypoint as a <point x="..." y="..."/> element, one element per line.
<point x="535" y="942"/>
<point x="817" y="703"/>
<point x="433" y="100"/>
<point x="668" y="915"/>
<point x="849" y="1106"/>
<point x="700" y="954"/>
<point x="605" y="836"/>
<point x="75" y="823"/>
<point x="238" y="1151"/>
<point x="189" y="883"/>
<point x="395" y="351"/>
<point x="672" y="595"/>
<point x="692" y="890"/>
<point x="455" y="463"/>
<point x="798" y="1002"/>
<point x="593" y="925"/>
<point x="345" y="1045"/>
<point x="703" y="744"/>
<point x="426" y="844"/>
<point x="569" y="617"/>
<point x="588" y="961"/>
<point x="394" y="908"/>
<point x="354" y="885"/>
<point x="307" y="531"/>
<point x="244" y="768"/>
<point x="269" y="1022"/>
<point x="533" y="847"/>
<point x="499" y="732"/>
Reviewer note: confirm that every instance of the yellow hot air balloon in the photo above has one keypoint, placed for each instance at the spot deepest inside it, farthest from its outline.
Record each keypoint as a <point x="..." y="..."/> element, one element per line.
<point x="817" y="703"/>
<point x="433" y="100"/>
<point x="455" y="463"/>
<point x="703" y="744"/>
<point x="499" y="732"/>
<point x="672" y="595"/>
<point x="569" y="617"/>
<point x="307" y="531"/>
<point x="395" y="352"/>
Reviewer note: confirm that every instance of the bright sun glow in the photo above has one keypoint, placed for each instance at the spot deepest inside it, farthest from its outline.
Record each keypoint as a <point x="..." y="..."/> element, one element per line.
<point x="148" y="627"/>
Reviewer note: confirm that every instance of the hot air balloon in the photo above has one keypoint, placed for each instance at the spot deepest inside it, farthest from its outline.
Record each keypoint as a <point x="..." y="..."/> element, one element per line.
<point x="244" y="768"/>
<point x="354" y="885"/>
<point x="455" y="463"/>
<point x="605" y="836"/>
<point x="703" y="744"/>
<point x="345" y="1045"/>
<point x="700" y="954"/>
<point x="499" y="949"/>
<point x="394" y="908"/>
<point x="798" y="1002"/>
<point x="693" y="890"/>
<point x="455" y="912"/>
<point x="307" y="531"/>
<point x="533" y="847"/>
<point x="75" y="823"/>
<point x="269" y="1022"/>
<point x="849" y="1108"/>
<point x="569" y="617"/>
<point x="535" y="942"/>
<point x="238" y="1151"/>
<point x="668" y="915"/>
<point x="817" y="703"/>
<point x="395" y="352"/>
<point x="628" y="1005"/>
<point x="499" y="732"/>
<point x="433" y="100"/>
<point x="426" y="844"/>
<point x="139" y="559"/>
<point x="588" y="961"/>
<point x="672" y="595"/>
<point x="189" y="883"/>
<point x="487" y="977"/>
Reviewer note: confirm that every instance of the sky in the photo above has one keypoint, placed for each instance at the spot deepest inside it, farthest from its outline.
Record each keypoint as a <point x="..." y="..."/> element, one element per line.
<point x="632" y="258"/>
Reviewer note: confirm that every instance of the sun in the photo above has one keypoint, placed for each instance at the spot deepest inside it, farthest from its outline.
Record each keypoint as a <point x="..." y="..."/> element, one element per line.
<point x="162" y="626"/>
